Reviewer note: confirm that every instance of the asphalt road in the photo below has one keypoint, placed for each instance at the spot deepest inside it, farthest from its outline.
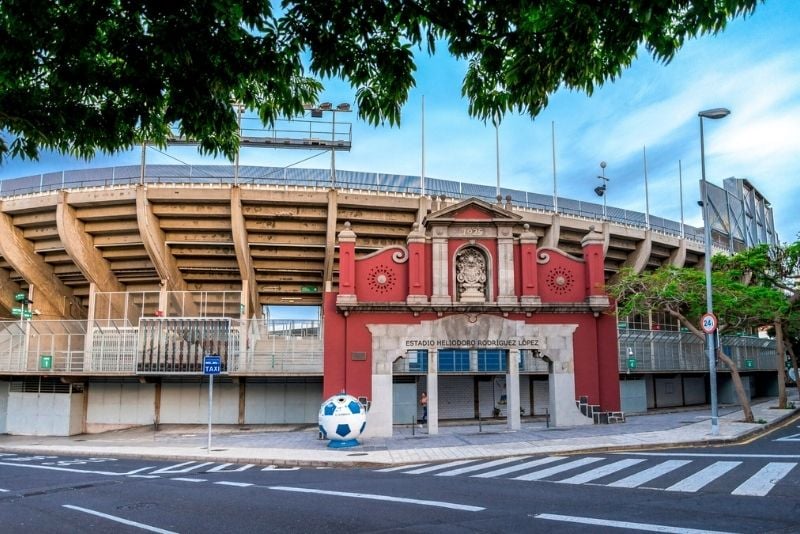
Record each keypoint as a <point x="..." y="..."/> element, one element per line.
<point x="753" y="487"/>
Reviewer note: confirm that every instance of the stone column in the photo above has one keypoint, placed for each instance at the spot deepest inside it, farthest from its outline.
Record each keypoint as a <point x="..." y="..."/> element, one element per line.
<point x="163" y="301"/>
<point x="473" y="360"/>
<point x="505" y="268"/>
<point x="433" y="392"/>
<point x="88" y="339"/>
<point x="441" y="271"/>
<point x="512" y="390"/>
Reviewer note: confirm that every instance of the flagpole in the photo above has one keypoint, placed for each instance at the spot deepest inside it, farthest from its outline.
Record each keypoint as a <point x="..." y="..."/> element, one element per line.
<point x="646" y="192"/>
<point x="555" y="183"/>
<point x="422" y="173"/>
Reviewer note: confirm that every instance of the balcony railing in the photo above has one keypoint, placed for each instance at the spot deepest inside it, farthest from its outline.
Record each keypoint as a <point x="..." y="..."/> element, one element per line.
<point x="256" y="347"/>
<point x="659" y="350"/>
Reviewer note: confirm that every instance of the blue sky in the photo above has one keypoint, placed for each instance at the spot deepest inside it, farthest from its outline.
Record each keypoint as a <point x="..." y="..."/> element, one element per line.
<point x="752" y="68"/>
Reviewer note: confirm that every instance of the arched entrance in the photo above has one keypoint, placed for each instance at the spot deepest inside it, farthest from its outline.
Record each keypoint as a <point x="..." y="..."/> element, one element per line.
<point x="392" y="341"/>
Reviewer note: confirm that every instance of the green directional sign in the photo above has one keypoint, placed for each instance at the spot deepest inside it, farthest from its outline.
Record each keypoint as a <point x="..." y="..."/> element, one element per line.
<point x="309" y="289"/>
<point x="16" y="311"/>
<point x="631" y="363"/>
<point x="20" y="297"/>
<point x="45" y="362"/>
<point x="27" y="315"/>
<point x="749" y="364"/>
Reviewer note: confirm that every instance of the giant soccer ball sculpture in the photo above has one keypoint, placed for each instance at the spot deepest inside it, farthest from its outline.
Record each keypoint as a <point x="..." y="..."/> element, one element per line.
<point x="342" y="419"/>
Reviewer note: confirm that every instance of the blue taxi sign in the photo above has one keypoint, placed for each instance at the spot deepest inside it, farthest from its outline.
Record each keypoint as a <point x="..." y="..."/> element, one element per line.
<point x="212" y="365"/>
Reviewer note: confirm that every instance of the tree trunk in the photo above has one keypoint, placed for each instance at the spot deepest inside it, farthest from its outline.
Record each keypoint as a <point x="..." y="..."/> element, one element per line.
<point x="781" y="357"/>
<point x="793" y="357"/>
<point x="744" y="399"/>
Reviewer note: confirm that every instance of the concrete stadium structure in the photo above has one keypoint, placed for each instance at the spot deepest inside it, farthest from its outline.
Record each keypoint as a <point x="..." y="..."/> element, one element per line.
<point x="116" y="282"/>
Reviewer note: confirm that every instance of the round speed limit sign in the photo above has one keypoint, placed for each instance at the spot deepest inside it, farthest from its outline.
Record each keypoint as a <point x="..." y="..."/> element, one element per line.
<point x="708" y="323"/>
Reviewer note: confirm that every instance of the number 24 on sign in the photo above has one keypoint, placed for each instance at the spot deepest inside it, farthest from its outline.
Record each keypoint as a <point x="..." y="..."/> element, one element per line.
<point x="708" y="323"/>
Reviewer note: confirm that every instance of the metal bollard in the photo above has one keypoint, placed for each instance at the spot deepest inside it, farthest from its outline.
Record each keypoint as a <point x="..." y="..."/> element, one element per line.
<point x="413" y="426"/>
<point x="547" y="417"/>
<point x="480" y="424"/>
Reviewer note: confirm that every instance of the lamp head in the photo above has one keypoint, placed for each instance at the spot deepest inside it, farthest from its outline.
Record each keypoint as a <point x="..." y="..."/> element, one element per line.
<point x="715" y="113"/>
<point x="600" y="190"/>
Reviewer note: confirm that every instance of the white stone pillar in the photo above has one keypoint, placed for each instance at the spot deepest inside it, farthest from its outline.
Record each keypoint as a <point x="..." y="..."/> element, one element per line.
<point x="88" y="339"/>
<point x="512" y="390"/>
<point x="505" y="268"/>
<point x="473" y="360"/>
<point x="441" y="292"/>
<point x="433" y="392"/>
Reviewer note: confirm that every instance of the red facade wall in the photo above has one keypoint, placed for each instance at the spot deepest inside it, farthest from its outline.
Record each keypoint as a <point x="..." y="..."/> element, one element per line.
<point x="550" y="274"/>
<point x="380" y="279"/>
<point x="561" y="279"/>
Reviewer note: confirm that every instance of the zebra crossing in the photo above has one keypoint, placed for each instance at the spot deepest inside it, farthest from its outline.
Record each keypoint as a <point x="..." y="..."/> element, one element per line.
<point x="756" y="478"/>
<point x="116" y="467"/>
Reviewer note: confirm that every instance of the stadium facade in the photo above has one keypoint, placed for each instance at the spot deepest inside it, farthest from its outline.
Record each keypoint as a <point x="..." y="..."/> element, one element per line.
<point x="117" y="282"/>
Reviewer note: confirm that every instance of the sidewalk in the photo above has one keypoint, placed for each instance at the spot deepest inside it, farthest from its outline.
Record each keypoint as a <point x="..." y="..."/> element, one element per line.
<point x="300" y="446"/>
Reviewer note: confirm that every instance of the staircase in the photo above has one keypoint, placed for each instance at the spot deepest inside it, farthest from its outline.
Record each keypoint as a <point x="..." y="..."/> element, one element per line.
<point x="599" y="417"/>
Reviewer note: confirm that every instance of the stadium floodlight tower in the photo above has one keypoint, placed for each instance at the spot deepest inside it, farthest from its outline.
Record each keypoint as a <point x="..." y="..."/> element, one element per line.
<point x="316" y="112"/>
<point x="715" y="113"/>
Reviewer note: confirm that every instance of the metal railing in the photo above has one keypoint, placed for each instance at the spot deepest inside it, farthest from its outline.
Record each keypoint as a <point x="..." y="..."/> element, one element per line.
<point x="287" y="347"/>
<point x="658" y="350"/>
<point x="283" y="176"/>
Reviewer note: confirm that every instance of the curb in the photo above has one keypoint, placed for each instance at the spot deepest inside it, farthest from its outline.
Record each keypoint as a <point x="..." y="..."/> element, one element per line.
<point x="779" y="421"/>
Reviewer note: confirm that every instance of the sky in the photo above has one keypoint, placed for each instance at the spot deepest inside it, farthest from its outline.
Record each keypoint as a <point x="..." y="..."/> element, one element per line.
<point x="752" y="68"/>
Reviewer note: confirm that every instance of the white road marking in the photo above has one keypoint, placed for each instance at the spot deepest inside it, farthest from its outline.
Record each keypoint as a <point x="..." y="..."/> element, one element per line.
<point x="544" y="473"/>
<point x="66" y="469"/>
<point x="174" y="468"/>
<point x="398" y="468"/>
<point x="221" y="468"/>
<point x="276" y="468"/>
<point x="648" y="527"/>
<point x="237" y="484"/>
<point x="703" y="477"/>
<point x="762" y="482"/>
<point x="189" y="479"/>
<point x="4" y="491"/>
<point x="520" y="467"/>
<point x="711" y="455"/>
<point x="119" y="519"/>
<point x="793" y="437"/>
<point x="637" y="479"/>
<point x="144" y="476"/>
<point x="478" y="467"/>
<point x="600" y="472"/>
<point x="374" y="497"/>
<point x="437" y="467"/>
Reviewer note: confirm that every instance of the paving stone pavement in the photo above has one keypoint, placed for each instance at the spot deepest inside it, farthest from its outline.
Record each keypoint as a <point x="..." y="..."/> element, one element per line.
<point x="293" y="445"/>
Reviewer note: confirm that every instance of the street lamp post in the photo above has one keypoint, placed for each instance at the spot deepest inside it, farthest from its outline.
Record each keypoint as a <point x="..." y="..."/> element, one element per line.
<point x="600" y="190"/>
<point x="716" y="113"/>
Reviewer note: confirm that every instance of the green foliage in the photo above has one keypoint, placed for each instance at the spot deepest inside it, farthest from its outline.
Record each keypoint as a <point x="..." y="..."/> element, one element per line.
<point x="681" y="292"/>
<point x="79" y="76"/>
